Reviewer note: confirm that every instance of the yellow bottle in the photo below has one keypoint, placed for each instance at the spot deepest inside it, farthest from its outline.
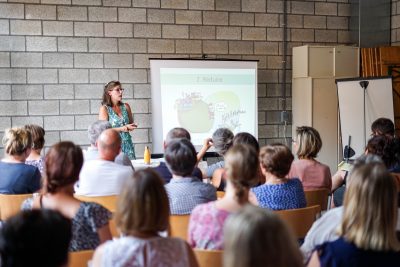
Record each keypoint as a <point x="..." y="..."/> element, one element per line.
<point x="147" y="155"/>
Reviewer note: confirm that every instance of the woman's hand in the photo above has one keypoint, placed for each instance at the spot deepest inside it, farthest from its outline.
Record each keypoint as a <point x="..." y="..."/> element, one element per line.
<point x="131" y="127"/>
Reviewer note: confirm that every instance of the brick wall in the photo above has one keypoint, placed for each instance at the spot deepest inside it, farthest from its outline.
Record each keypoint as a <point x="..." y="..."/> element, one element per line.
<point x="395" y="23"/>
<point x="56" y="55"/>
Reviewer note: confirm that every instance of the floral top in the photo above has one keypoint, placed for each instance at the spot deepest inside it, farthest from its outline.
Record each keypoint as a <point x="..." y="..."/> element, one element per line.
<point x="206" y="227"/>
<point x="117" y="121"/>
<point x="289" y="195"/>
<point x="37" y="163"/>
<point x="131" y="251"/>
<point x="90" y="217"/>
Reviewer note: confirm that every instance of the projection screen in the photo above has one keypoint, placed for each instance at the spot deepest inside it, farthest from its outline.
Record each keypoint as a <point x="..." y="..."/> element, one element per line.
<point x="201" y="96"/>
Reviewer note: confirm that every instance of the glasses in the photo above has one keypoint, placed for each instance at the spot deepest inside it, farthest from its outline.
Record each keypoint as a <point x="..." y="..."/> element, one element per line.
<point x="118" y="90"/>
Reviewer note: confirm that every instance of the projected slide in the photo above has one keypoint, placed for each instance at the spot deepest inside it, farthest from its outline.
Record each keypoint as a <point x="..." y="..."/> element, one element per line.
<point x="202" y="100"/>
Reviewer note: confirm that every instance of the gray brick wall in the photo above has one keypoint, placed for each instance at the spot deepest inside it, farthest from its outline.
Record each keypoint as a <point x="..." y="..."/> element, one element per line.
<point x="55" y="55"/>
<point x="395" y="23"/>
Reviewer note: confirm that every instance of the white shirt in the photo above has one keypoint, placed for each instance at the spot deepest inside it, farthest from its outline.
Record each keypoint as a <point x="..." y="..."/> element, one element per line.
<point x="102" y="178"/>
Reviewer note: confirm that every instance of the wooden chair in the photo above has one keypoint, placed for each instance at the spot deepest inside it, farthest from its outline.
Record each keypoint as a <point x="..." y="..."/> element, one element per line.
<point x="80" y="258"/>
<point x="299" y="220"/>
<point x="11" y="204"/>
<point x="178" y="226"/>
<point x="317" y="197"/>
<point x="208" y="258"/>
<point x="220" y="194"/>
<point x="109" y="202"/>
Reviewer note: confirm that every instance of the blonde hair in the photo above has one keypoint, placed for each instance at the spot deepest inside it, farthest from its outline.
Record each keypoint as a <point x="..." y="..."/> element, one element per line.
<point x="241" y="164"/>
<point x="256" y="237"/>
<point x="309" y="142"/>
<point x="370" y="209"/>
<point x="143" y="204"/>
<point x="16" y="141"/>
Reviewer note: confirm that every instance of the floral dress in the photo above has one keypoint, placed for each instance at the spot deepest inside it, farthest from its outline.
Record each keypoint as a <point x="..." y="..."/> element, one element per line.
<point x="117" y="121"/>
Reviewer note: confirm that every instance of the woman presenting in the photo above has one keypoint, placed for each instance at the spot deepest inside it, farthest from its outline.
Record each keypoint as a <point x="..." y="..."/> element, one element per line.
<point x="119" y="114"/>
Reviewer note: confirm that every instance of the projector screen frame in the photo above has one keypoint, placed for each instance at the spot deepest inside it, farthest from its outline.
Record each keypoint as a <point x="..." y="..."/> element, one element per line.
<point x="157" y="139"/>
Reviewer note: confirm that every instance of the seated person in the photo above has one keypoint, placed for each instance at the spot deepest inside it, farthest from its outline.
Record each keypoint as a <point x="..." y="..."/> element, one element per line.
<point x="35" y="159"/>
<point x="256" y="237"/>
<point x="207" y="220"/>
<point x="142" y="213"/>
<point x="16" y="176"/>
<point x="278" y="192"/>
<point x="222" y="140"/>
<point x="367" y="232"/>
<point x="162" y="169"/>
<point x="94" y="131"/>
<point x="184" y="191"/>
<point x="312" y="173"/>
<point x="90" y="220"/>
<point x="35" y="238"/>
<point x="102" y="176"/>
<point x="219" y="176"/>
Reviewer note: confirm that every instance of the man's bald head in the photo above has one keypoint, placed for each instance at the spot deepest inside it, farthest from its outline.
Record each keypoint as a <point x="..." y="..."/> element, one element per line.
<point x="175" y="133"/>
<point x="109" y="144"/>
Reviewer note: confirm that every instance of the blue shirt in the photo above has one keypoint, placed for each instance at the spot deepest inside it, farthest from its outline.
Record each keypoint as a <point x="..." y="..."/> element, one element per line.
<point x="186" y="193"/>
<point x="289" y="195"/>
<point x="341" y="253"/>
<point x="18" y="178"/>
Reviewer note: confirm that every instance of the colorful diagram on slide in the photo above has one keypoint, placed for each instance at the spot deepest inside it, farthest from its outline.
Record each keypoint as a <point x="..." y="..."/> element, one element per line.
<point x="200" y="114"/>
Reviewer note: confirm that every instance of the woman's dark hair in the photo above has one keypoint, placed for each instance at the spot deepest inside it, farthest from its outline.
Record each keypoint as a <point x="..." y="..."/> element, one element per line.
<point x="37" y="133"/>
<point x="63" y="164"/>
<point x="180" y="156"/>
<point x="106" y="97"/>
<point x="38" y="237"/>
<point x="246" y="139"/>
<point x="383" y="146"/>
<point x="382" y="126"/>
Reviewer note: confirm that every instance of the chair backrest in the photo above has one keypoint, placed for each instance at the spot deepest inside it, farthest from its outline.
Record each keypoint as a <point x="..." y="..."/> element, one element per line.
<point x="299" y="220"/>
<point x="80" y="258"/>
<point x="11" y="204"/>
<point x="220" y="194"/>
<point x="317" y="197"/>
<point x="109" y="202"/>
<point x="209" y="258"/>
<point x="178" y="226"/>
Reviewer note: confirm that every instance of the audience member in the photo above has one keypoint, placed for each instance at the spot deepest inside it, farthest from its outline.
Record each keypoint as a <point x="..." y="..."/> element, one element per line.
<point x="382" y="126"/>
<point x="35" y="238"/>
<point x="16" y="176"/>
<point x="324" y="229"/>
<point x="278" y="192"/>
<point x="162" y="169"/>
<point x="219" y="176"/>
<point x="222" y="140"/>
<point x="312" y="173"/>
<point x="367" y="234"/>
<point x="207" y="220"/>
<point x="255" y="237"/>
<point x="185" y="191"/>
<point x="142" y="213"/>
<point x="102" y="176"/>
<point x="94" y="131"/>
<point x="34" y="158"/>
<point x="89" y="220"/>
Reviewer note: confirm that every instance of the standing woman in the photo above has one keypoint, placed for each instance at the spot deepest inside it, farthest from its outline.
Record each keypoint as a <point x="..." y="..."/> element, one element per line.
<point x="119" y="114"/>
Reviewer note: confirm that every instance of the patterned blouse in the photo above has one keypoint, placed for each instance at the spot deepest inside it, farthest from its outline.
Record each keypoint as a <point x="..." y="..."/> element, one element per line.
<point x="206" y="227"/>
<point x="289" y="195"/>
<point x="37" y="163"/>
<point x="131" y="251"/>
<point x="90" y="217"/>
<point x="126" y="138"/>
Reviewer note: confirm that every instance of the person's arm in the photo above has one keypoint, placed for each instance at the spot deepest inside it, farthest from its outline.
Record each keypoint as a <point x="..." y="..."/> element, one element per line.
<point x="206" y="146"/>
<point x="131" y="125"/>
<point x="338" y="179"/>
<point x="314" y="261"/>
<point x="97" y="257"/>
<point x="103" y="115"/>
<point x="104" y="233"/>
